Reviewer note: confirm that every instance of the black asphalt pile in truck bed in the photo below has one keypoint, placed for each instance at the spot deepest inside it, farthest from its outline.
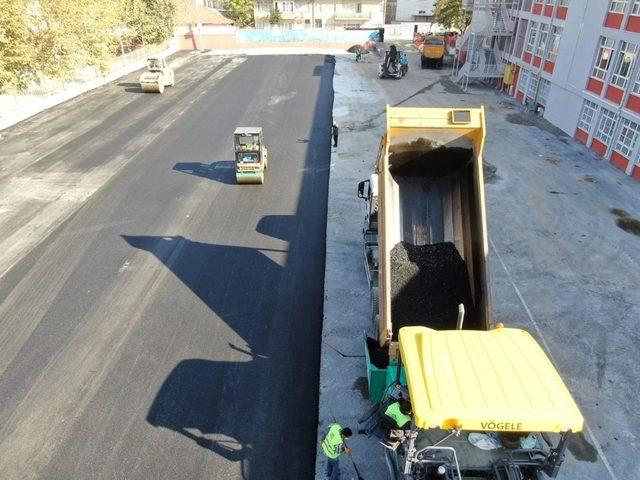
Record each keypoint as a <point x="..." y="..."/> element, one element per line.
<point x="420" y="158"/>
<point x="428" y="282"/>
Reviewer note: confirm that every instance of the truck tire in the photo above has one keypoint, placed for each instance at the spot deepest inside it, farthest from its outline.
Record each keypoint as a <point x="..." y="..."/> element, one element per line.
<point x="423" y="64"/>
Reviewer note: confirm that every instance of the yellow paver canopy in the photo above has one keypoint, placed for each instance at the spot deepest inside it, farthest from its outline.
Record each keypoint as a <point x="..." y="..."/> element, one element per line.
<point x="497" y="380"/>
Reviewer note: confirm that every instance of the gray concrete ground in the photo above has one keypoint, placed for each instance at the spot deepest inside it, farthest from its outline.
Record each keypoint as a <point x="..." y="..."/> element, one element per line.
<point x="564" y="263"/>
<point x="156" y="319"/>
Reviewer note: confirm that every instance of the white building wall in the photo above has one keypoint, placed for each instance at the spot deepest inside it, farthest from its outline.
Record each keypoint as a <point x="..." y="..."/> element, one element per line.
<point x="413" y="10"/>
<point x="578" y="44"/>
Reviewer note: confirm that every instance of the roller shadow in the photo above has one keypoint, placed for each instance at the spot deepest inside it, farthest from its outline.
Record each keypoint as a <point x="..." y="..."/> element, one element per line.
<point x="223" y="171"/>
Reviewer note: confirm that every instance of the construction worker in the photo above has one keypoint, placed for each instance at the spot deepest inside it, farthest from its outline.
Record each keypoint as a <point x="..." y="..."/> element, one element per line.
<point x="399" y="412"/>
<point x="333" y="446"/>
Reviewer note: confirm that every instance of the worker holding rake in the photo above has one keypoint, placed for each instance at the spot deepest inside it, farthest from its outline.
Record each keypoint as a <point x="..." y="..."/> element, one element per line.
<point x="333" y="446"/>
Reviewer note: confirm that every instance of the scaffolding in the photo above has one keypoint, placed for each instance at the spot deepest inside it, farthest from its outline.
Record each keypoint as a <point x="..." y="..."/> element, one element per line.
<point x="478" y="56"/>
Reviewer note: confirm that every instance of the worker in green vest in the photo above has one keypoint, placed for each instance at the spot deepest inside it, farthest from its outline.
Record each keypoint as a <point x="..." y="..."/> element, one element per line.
<point x="333" y="446"/>
<point x="399" y="412"/>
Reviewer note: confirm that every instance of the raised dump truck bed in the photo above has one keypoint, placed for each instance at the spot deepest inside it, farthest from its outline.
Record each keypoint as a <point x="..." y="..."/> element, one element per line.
<point x="425" y="230"/>
<point x="432" y="229"/>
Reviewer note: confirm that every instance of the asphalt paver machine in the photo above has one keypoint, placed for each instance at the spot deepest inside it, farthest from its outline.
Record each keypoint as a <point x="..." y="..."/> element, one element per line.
<point x="250" y="155"/>
<point x="486" y="405"/>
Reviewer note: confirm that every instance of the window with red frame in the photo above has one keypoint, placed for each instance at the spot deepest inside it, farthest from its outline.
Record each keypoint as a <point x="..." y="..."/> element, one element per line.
<point x="556" y="32"/>
<point x="587" y="115"/>
<point x="532" y="36"/>
<point x="543" y="34"/>
<point x="617" y="6"/>
<point x="603" y="58"/>
<point x="627" y="138"/>
<point x="606" y="126"/>
<point x="623" y="64"/>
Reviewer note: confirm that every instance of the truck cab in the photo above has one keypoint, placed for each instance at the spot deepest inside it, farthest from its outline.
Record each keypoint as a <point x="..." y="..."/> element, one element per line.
<point x="250" y="155"/>
<point x="432" y="51"/>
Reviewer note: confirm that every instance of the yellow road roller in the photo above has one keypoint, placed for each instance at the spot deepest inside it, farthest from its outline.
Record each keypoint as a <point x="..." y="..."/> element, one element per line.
<point x="251" y="155"/>
<point x="157" y="77"/>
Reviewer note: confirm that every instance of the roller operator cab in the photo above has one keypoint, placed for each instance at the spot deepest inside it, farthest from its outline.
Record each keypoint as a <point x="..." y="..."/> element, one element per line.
<point x="250" y="155"/>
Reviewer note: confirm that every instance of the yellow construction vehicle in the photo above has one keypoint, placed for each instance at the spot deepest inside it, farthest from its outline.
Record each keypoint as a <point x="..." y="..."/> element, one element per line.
<point x="432" y="51"/>
<point x="251" y="155"/>
<point x="486" y="404"/>
<point x="158" y="76"/>
<point x="433" y="340"/>
<point x="425" y="233"/>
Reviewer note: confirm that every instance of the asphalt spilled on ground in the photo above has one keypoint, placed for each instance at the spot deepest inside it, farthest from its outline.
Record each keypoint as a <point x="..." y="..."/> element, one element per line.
<point x="168" y="326"/>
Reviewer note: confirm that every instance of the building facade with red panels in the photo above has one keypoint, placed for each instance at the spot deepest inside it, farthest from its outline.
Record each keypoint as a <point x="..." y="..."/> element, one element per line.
<point x="576" y="62"/>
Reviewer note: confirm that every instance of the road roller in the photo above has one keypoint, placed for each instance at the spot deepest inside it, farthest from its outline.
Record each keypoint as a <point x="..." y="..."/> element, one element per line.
<point x="157" y="77"/>
<point x="251" y="155"/>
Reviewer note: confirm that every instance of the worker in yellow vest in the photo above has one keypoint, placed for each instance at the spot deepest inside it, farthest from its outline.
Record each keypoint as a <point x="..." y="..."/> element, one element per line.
<point x="333" y="446"/>
<point x="399" y="412"/>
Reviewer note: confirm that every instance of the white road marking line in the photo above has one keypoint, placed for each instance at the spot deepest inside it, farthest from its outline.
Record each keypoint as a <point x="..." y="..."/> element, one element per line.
<point x="595" y="441"/>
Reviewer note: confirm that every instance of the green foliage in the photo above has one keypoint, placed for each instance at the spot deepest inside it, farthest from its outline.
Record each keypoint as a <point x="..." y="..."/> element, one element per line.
<point x="55" y="38"/>
<point x="275" y="16"/>
<point x="450" y="14"/>
<point x="240" y="11"/>
<point x="16" y="55"/>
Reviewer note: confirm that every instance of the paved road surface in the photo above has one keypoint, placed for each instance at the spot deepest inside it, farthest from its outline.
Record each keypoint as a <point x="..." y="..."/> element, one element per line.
<point x="168" y="326"/>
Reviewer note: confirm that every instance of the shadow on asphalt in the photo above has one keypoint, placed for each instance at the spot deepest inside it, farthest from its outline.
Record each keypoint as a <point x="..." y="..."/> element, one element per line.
<point x="130" y="87"/>
<point x="256" y="410"/>
<point x="223" y="171"/>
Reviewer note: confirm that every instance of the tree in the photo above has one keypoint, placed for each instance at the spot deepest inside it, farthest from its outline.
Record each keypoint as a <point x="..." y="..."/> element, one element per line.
<point x="450" y="14"/>
<point x="240" y="11"/>
<point x="151" y="21"/>
<point x="16" y="53"/>
<point x="275" y="16"/>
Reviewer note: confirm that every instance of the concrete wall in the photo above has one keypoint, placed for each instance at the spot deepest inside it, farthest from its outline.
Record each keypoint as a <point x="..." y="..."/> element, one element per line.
<point x="310" y="35"/>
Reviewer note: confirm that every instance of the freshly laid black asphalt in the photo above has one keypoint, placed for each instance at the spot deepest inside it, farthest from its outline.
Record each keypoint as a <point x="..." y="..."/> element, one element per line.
<point x="170" y="328"/>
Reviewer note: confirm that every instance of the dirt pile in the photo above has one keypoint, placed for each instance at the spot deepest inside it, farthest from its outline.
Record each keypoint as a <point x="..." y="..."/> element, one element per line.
<point x="428" y="282"/>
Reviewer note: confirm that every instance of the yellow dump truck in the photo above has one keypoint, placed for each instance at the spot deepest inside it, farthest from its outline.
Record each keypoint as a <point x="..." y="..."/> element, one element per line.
<point x="425" y="231"/>
<point x="433" y="50"/>
<point x="432" y="336"/>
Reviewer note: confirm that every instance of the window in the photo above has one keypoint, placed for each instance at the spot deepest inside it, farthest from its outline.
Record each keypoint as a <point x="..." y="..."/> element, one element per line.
<point x="556" y="33"/>
<point x="531" y="37"/>
<point x="542" y="42"/>
<point x="543" y="91"/>
<point x="617" y="6"/>
<point x="603" y="58"/>
<point x="358" y="8"/>
<point x="623" y="63"/>
<point x="635" y="9"/>
<point x="285" y="7"/>
<point x="523" y="82"/>
<point x="636" y="85"/>
<point x="307" y="23"/>
<point x="563" y="3"/>
<point x="606" y="126"/>
<point x="628" y="138"/>
<point x="318" y="23"/>
<point x="587" y="115"/>
<point x="533" y="86"/>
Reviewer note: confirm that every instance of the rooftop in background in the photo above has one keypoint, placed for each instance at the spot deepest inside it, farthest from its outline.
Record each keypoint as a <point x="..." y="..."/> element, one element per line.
<point x="186" y="14"/>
